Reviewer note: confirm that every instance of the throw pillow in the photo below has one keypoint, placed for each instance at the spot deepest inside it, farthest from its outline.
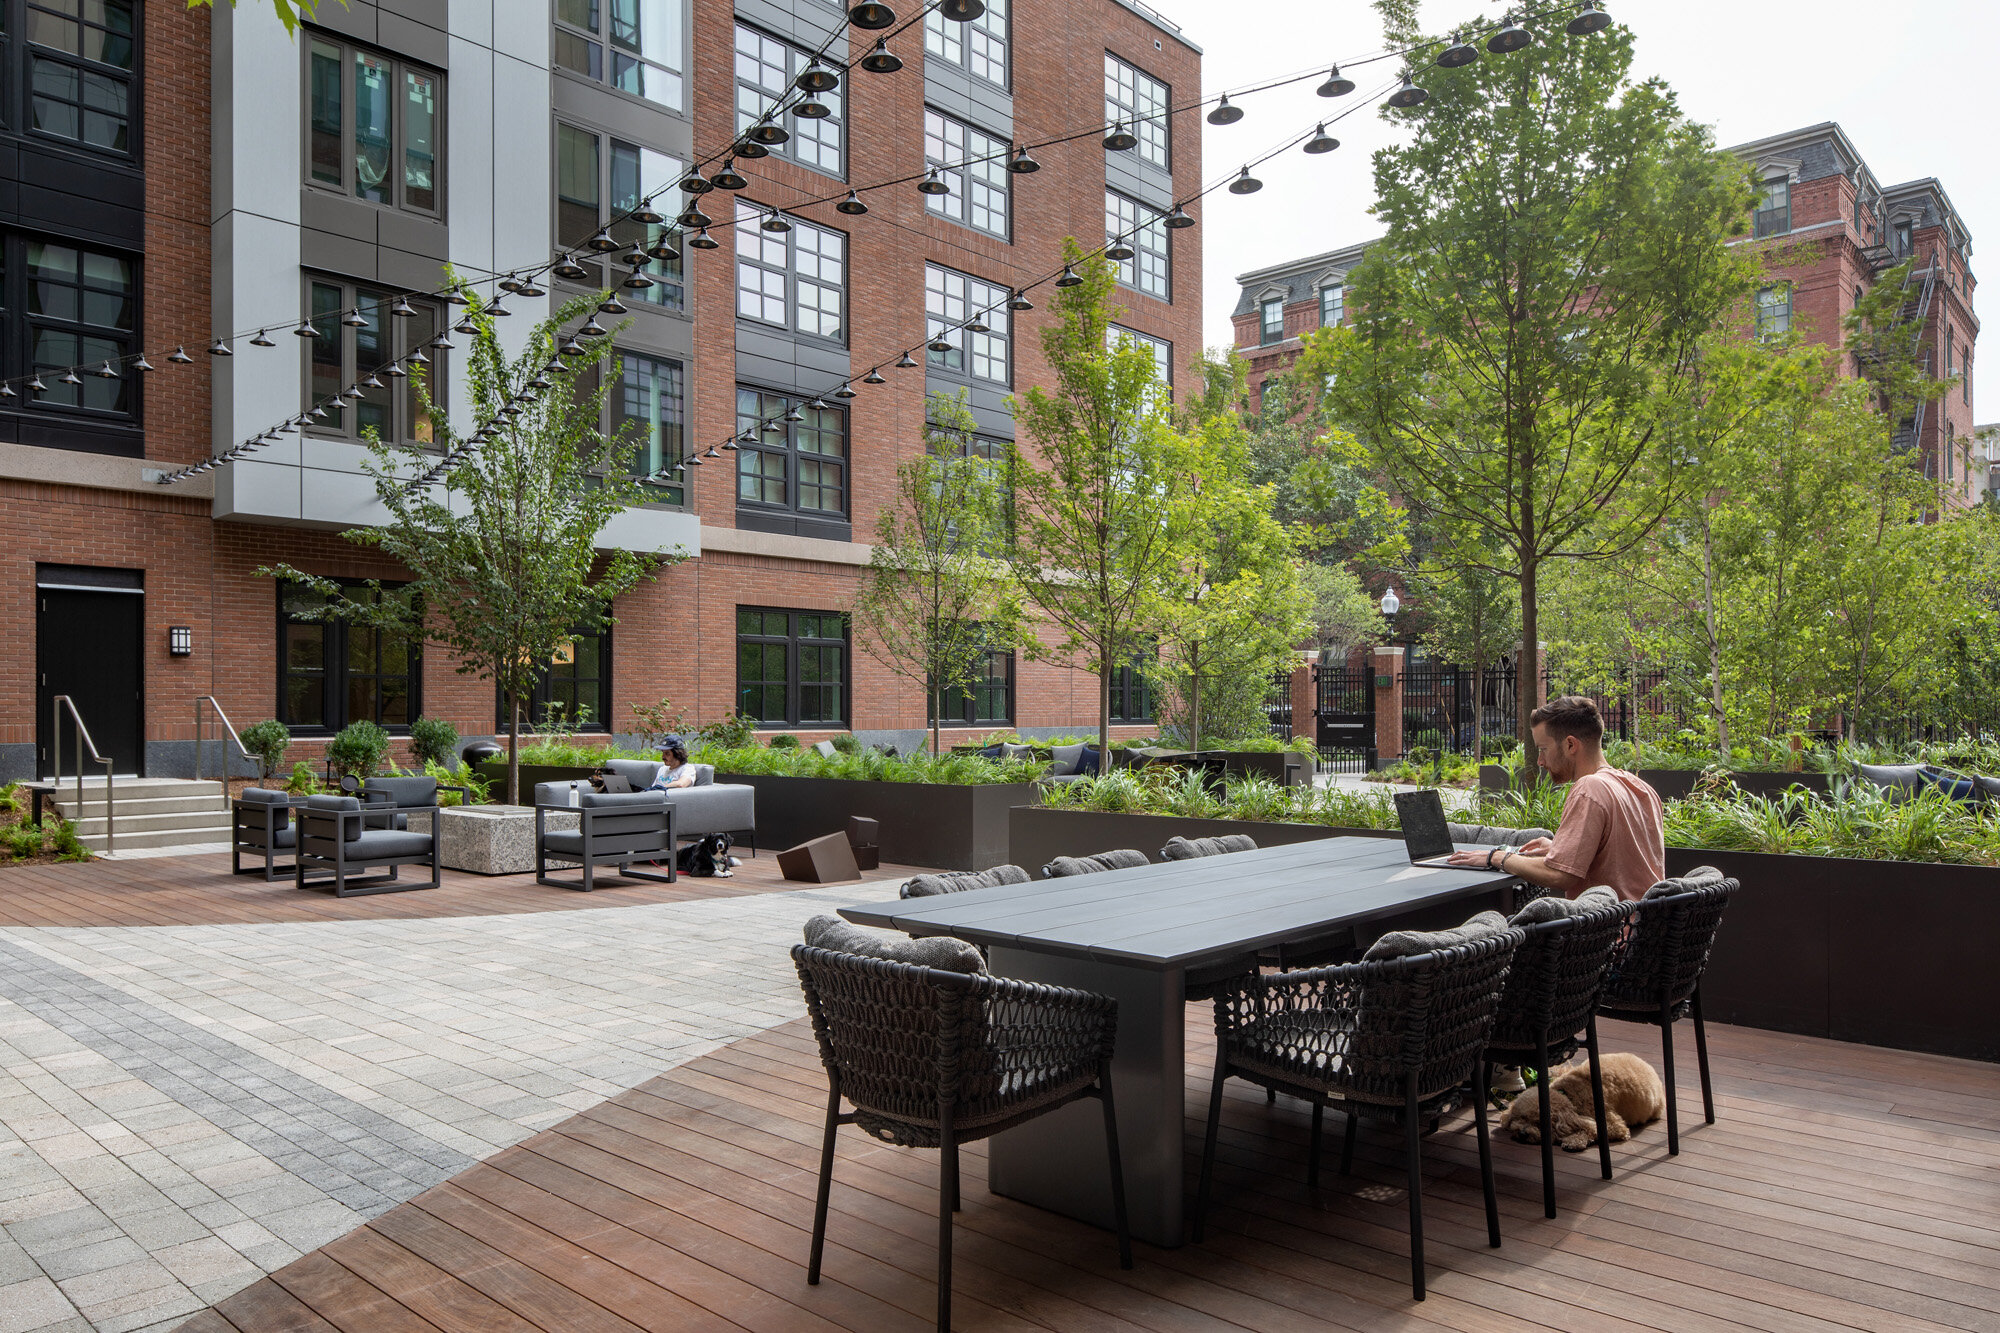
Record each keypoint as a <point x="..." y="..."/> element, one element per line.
<point x="958" y="881"/>
<point x="1124" y="858"/>
<point x="1699" y="877"/>
<point x="1406" y="943"/>
<point x="1551" y="906"/>
<point x="939" y="951"/>
<point x="1090" y="762"/>
<point x="1179" y="848"/>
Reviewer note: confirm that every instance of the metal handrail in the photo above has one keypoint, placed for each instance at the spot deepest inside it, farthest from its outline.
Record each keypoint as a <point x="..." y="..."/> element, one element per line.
<point x="56" y="706"/>
<point x="227" y="726"/>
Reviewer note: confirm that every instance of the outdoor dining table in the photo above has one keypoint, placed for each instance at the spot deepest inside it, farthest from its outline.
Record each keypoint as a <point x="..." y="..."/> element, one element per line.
<point x="1135" y="935"/>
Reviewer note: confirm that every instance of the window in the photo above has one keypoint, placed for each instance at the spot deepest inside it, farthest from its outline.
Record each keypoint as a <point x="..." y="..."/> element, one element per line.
<point x="989" y="700"/>
<point x="649" y="394"/>
<point x="1131" y="697"/>
<point x="1905" y="237"/>
<point x="1332" y="305"/>
<point x="996" y="458"/>
<point x="1146" y="233"/>
<point x="342" y="354"/>
<point x="598" y="177"/>
<point x="974" y="165"/>
<point x="1162" y="352"/>
<point x="950" y="299"/>
<point x="795" y="279"/>
<point x="979" y="46"/>
<point x="81" y="59"/>
<point x="765" y="68"/>
<point x="576" y="682"/>
<point x="800" y="465"/>
<point x="375" y="127"/>
<point x="1774" y="310"/>
<point x="791" y="666"/>
<point x="1774" y="207"/>
<point x="333" y="672"/>
<point x="1965" y="379"/>
<point x="646" y="55"/>
<point x="1271" y="329"/>
<point x="1140" y="100"/>
<point x="66" y="306"/>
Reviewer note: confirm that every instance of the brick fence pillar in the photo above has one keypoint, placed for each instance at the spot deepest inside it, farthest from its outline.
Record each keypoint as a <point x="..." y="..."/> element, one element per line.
<point x="1305" y="701"/>
<point x="1541" y="674"/>
<point x="1388" y="663"/>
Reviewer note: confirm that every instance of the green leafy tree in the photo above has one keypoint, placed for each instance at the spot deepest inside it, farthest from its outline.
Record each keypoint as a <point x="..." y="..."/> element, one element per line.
<point x="937" y="595"/>
<point x="290" y="12"/>
<point x="502" y="557"/>
<point x="1555" y="250"/>
<point x="1470" y="613"/>
<point x="1096" y="498"/>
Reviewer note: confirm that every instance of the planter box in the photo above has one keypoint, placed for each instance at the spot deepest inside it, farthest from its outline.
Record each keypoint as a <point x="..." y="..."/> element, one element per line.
<point x="1038" y="834"/>
<point x="923" y="824"/>
<point x="1890" y="953"/>
<point x="1674" y="783"/>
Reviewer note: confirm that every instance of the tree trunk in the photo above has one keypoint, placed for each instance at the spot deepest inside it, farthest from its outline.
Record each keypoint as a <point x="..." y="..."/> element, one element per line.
<point x="1478" y="708"/>
<point x="1714" y="644"/>
<point x="1194" y="700"/>
<point x="513" y="749"/>
<point x="1104" y="708"/>
<point x="1526" y="673"/>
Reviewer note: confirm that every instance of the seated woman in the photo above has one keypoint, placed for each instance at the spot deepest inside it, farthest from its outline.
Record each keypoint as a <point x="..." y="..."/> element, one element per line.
<point x="675" y="770"/>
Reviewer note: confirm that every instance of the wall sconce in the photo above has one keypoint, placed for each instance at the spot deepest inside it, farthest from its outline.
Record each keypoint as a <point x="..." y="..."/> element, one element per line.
<point x="180" y="640"/>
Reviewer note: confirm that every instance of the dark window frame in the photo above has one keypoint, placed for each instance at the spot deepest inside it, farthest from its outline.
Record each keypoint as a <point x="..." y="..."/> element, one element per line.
<point x="966" y="712"/>
<point x="973" y="293"/>
<point x="1129" y="687"/>
<point x="335" y="673"/>
<point x="1143" y="225"/>
<point x="601" y="53"/>
<point x="792" y="641"/>
<point x="1269" y="332"/>
<point x="749" y="231"/>
<point x="980" y="159"/>
<point x="1338" y="291"/>
<point x="20" y="326"/>
<point x="1147" y="124"/>
<point x="669" y="289"/>
<point x="785" y="446"/>
<point x="1774" y="207"/>
<point x="372" y="303"/>
<point x="399" y="146"/>
<point x="1774" y="319"/>
<point x="538" y="699"/>
<point x="746" y="92"/>
<point x="673" y="442"/>
<point x="29" y="52"/>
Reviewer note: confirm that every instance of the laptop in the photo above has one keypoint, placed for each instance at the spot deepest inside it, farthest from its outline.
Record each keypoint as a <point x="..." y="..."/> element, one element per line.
<point x="607" y="781"/>
<point x="1425" y="833"/>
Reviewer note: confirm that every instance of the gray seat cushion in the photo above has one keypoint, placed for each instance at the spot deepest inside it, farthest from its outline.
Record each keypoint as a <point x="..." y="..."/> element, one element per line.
<point x="719" y="807"/>
<point x="958" y="881"/>
<point x="1122" y="858"/>
<point x="281" y="818"/>
<point x="1895" y="778"/>
<point x="621" y="800"/>
<point x="407" y="793"/>
<point x="563" y="841"/>
<point x="335" y="804"/>
<point x="1406" y="943"/>
<point x="939" y="951"/>
<point x="1552" y="906"/>
<point x="1066" y="758"/>
<point x="388" y="842"/>
<point x="1697" y="878"/>
<point x="555" y="793"/>
<point x="825" y="748"/>
<point x="1189" y="849"/>
<point x="1495" y="835"/>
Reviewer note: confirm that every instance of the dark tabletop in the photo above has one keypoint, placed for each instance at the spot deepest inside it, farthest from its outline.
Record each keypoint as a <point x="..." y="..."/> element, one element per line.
<point x="1186" y="913"/>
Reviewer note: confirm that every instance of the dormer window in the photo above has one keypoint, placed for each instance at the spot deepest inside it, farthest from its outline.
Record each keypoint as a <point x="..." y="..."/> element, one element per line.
<point x="1774" y="207"/>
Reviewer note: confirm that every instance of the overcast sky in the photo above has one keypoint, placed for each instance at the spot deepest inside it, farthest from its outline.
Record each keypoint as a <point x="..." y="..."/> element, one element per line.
<point x="1911" y="84"/>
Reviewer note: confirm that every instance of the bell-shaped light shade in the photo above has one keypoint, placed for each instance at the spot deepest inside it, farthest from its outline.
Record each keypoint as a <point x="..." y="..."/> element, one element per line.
<point x="1336" y="85"/>
<point x="1019" y="301"/>
<point x="1460" y="52"/>
<point x="693" y="220"/>
<point x="1592" y="19"/>
<point x="905" y="363"/>
<point x="768" y="134"/>
<point x="748" y="149"/>
<point x="1512" y="37"/>
<point x="816" y="78"/>
<point x="852" y="205"/>
<point x="729" y="178"/>
<point x="1245" y="184"/>
<point x="636" y="281"/>
<point x="695" y="183"/>
<point x="1178" y="218"/>
<point x="143" y="366"/>
<point x="1119" y="249"/>
<point x="812" y="109"/>
<point x="881" y="60"/>
<point x="220" y="348"/>
<point x="569" y="270"/>
<point x="645" y="214"/>
<point x="871" y="15"/>
<point x="775" y="221"/>
<point x="105" y="372"/>
<point x="635" y="257"/>
<point x="844" y="391"/>
<point x="592" y="329"/>
<point x="531" y="289"/>
<point x="940" y="344"/>
<point x="1120" y="139"/>
<point x="68" y="377"/>
<point x="1022" y="163"/>
<point x="1225" y="113"/>
<point x="603" y="242"/>
<point x="933" y="184"/>
<point x="263" y="338"/>
<point x="403" y="309"/>
<point x="354" y="319"/>
<point x="1407" y="96"/>
<point x="510" y="283"/>
<point x="1321" y="142"/>
<point x="179" y="356"/>
<point x="1069" y="278"/>
<point x="701" y="240"/>
<point x="663" y="250"/>
<point x="961" y="11"/>
<point x="977" y="325"/>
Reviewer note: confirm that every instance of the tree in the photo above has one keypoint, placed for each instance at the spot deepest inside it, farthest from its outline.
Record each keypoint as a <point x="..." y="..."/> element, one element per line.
<point x="503" y="561"/>
<point x="290" y="12"/>
<point x="937" y="597"/>
<point x="1096" y="498"/>
<point x="1555" y="251"/>
<point x="1470" y="614"/>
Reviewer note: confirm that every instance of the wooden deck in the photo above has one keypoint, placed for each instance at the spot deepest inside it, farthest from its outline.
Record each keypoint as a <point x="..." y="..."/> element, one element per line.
<point x="1842" y="1188"/>
<point x="199" y="891"/>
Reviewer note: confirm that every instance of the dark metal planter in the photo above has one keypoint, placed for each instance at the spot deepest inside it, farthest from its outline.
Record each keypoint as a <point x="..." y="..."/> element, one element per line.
<point x="923" y="824"/>
<point x="1674" y="783"/>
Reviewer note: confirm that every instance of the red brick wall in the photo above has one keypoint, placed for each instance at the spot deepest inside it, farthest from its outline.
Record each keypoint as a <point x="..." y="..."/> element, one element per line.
<point x="174" y="303"/>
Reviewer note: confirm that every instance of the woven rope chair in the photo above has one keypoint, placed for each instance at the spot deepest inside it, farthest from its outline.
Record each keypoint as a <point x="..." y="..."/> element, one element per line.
<point x="1551" y="996"/>
<point x="1655" y="976"/>
<point x="934" y="1059"/>
<point x="1395" y="1039"/>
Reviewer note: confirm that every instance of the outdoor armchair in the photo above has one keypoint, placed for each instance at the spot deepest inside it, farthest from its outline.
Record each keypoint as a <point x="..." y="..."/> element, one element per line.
<point x="613" y="829"/>
<point x="260" y="823"/>
<point x="388" y="801"/>
<point x="335" y="841"/>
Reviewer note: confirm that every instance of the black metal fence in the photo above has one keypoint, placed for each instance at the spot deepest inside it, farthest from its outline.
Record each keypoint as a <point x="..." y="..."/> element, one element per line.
<point x="1344" y="716"/>
<point x="1278" y="705"/>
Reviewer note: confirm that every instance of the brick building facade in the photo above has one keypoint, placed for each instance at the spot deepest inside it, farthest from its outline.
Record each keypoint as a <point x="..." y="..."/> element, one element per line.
<point x="260" y="179"/>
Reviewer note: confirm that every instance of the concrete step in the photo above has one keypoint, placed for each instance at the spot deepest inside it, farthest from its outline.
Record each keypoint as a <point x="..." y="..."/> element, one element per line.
<point x="131" y="841"/>
<point x="134" y="788"/>
<point x="209" y="819"/>
<point x="209" y="806"/>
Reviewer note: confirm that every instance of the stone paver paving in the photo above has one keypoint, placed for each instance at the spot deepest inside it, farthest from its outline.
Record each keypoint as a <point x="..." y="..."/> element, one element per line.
<point x="183" y="1109"/>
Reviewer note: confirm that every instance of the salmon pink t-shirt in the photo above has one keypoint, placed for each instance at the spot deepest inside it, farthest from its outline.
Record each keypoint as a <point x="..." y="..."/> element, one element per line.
<point x="1611" y="833"/>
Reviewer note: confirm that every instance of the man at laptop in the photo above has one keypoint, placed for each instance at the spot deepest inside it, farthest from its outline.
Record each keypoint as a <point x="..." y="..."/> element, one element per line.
<point x="1611" y="822"/>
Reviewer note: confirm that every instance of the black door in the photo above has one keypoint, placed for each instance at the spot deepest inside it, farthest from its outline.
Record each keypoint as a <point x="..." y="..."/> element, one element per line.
<point x="87" y="646"/>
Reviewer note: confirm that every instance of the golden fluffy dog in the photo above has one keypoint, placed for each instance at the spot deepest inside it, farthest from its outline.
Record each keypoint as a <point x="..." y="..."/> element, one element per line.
<point x="1633" y="1096"/>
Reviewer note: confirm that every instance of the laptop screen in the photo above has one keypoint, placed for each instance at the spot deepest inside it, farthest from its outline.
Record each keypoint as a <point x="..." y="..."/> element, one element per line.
<point x="1425" y="832"/>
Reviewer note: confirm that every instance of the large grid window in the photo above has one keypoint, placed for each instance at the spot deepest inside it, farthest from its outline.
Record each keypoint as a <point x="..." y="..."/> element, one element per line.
<point x="635" y="46"/>
<point x="1159" y="349"/>
<point x="793" y="465"/>
<point x="598" y="178"/>
<point x="1131" y="696"/>
<point x="765" y="68"/>
<point x="574" y="685"/>
<point x="1332" y="305"/>
<point x="1145" y="231"/>
<point x="796" y="279"/>
<point x="1140" y="100"/>
<point x="1271" y="320"/>
<point x="648" y="396"/>
<point x="342" y="354"/>
<point x="974" y="165"/>
<point x="1774" y="207"/>
<point x="82" y="55"/>
<point x="950" y="299"/>
<point x="979" y="47"/>
<point x="333" y="672"/>
<point x="1774" y="310"/>
<point x="376" y="127"/>
<point x="791" y="666"/>
<point x="989" y="700"/>
<point x="67" y="306"/>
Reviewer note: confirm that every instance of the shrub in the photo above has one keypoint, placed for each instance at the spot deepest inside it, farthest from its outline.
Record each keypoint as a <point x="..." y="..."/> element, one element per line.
<point x="267" y="743"/>
<point x="784" y="741"/>
<point x="653" y="723"/>
<point x="480" y="788"/>
<point x="868" y="765"/>
<point x="847" y="743"/>
<point x="732" y="732"/>
<point x="434" y="741"/>
<point x="358" y="750"/>
<point x="303" y="782"/>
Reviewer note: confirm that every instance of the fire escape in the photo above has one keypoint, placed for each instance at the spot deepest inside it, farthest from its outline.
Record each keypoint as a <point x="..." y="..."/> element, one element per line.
<point x="1919" y="289"/>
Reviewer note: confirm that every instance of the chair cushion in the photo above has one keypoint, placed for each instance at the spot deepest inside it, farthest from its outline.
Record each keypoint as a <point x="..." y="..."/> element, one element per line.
<point x="1187" y="849"/>
<point x="1955" y="785"/>
<point x="388" y="842"/>
<point x="563" y="841"/>
<point x="1090" y="763"/>
<point x="1494" y="835"/>
<point x="1987" y="787"/>
<point x="1694" y="879"/>
<point x="1066" y="759"/>
<point x="406" y="793"/>
<point x="958" y="881"/>
<point x="1551" y="906"/>
<point x="1893" y="777"/>
<point x="1123" y="858"/>
<point x="612" y="800"/>
<point x="939" y="951"/>
<point x="332" y="803"/>
<point x="1405" y="943"/>
<point x="281" y="818"/>
<point x="704" y="775"/>
<point x="557" y="793"/>
<point x="719" y="807"/>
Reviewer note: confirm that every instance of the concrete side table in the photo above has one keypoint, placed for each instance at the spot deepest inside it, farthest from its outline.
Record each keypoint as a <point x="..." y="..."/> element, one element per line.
<point x="489" y="839"/>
